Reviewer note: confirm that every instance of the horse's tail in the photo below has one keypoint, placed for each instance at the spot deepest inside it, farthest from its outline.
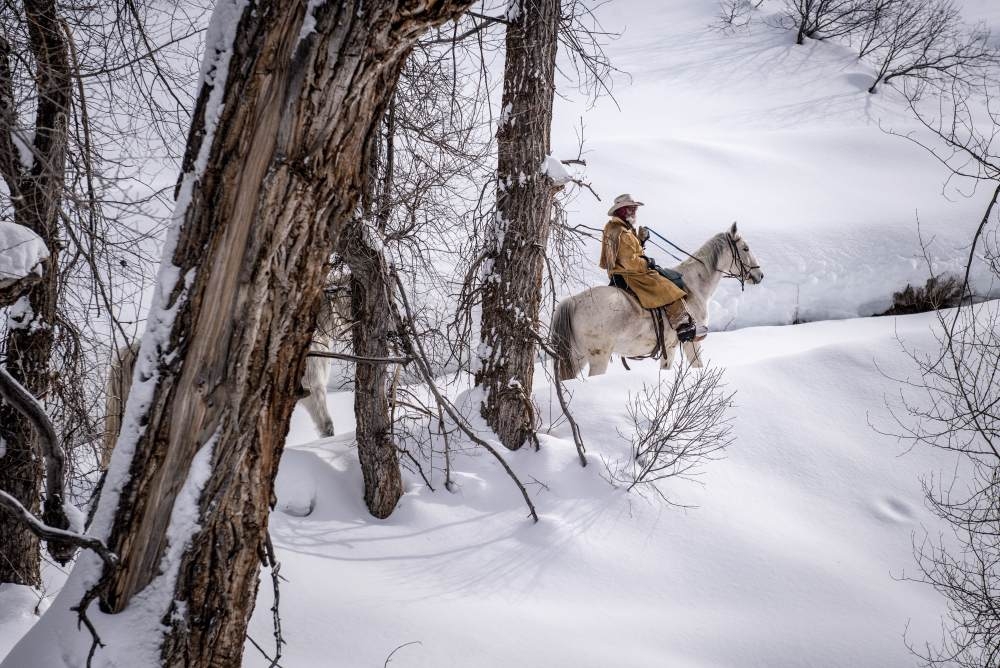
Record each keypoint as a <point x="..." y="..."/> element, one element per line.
<point x="563" y="340"/>
<point x="118" y="387"/>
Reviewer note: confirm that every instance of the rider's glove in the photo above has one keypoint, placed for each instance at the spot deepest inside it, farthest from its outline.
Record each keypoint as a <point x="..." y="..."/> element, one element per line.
<point x="650" y="262"/>
<point x="643" y="235"/>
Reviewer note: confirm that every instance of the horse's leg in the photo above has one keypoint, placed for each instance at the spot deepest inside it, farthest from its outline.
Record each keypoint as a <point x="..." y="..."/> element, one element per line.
<point x="692" y="350"/>
<point x="314" y="380"/>
<point x="598" y="360"/>
<point x="670" y="343"/>
<point x="669" y="356"/>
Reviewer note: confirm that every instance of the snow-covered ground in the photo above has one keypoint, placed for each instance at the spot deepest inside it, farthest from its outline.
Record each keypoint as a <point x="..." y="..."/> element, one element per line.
<point x="791" y="557"/>
<point x="783" y="138"/>
<point x="794" y="552"/>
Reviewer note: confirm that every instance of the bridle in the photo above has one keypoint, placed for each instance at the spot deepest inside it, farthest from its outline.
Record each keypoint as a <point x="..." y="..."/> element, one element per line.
<point x="738" y="261"/>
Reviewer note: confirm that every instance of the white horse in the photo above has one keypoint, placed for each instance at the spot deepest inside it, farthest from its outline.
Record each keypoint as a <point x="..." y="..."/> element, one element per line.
<point x="587" y="328"/>
<point x="332" y="323"/>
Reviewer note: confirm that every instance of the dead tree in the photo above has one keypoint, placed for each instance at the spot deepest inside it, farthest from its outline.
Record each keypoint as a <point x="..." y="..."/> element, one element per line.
<point x="515" y="259"/>
<point x="273" y="169"/>
<point x="34" y="179"/>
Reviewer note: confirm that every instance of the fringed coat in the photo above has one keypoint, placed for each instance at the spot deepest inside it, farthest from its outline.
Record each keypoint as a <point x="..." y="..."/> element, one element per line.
<point x="622" y="254"/>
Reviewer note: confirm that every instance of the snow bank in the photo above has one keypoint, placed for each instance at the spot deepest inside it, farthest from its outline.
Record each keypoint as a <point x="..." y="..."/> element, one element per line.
<point x="21" y="252"/>
<point x="788" y="559"/>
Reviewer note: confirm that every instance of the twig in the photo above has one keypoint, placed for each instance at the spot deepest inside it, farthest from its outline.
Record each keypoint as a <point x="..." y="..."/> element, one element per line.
<point x="360" y="358"/>
<point x="275" y="568"/>
<point x="405" y="644"/>
<point x="574" y="427"/>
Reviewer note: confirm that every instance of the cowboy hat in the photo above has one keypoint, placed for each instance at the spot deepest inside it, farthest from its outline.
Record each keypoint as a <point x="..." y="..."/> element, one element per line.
<point x="622" y="200"/>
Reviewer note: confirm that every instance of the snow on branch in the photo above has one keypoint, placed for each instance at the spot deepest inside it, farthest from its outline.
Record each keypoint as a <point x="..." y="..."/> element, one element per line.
<point x="22" y="254"/>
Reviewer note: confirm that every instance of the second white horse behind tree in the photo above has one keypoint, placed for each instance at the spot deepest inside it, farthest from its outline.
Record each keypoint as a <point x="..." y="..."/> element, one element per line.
<point x="588" y="327"/>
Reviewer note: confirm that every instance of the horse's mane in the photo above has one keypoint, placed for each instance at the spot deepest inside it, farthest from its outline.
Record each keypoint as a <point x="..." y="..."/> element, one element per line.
<point x="711" y="251"/>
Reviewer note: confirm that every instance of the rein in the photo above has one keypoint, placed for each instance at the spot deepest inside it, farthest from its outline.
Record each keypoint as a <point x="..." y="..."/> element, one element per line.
<point x="744" y="268"/>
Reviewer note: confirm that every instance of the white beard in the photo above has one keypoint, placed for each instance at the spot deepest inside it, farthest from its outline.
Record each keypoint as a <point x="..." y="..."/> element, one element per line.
<point x="630" y="219"/>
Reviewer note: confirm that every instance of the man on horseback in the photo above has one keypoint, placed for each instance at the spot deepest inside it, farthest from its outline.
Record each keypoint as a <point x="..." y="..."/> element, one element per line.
<point x="623" y="256"/>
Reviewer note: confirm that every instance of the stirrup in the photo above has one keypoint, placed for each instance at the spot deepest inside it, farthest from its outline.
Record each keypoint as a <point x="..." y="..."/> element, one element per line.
<point x="689" y="332"/>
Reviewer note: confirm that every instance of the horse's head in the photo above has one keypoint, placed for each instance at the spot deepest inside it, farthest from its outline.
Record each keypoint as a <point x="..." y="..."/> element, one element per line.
<point x="744" y="264"/>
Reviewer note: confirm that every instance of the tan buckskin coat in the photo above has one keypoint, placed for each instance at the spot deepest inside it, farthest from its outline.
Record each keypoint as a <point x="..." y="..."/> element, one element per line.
<point x="622" y="254"/>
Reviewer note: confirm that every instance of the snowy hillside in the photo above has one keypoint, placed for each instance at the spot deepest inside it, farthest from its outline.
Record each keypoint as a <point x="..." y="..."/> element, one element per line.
<point x="792" y="550"/>
<point x="783" y="138"/>
<point x="790" y="558"/>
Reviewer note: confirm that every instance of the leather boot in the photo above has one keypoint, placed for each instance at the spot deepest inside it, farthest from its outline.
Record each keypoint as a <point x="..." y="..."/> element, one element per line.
<point x="681" y="322"/>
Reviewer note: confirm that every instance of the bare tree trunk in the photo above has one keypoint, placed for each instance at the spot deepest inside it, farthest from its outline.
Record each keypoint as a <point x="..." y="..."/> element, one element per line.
<point x="512" y="294"/>
<point x="36" y="191"/>
<point x="260" y="210"/>
<point x="371" y="309"/>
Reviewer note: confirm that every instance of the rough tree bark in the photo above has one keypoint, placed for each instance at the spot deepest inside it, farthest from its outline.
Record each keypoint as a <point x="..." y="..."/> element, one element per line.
<point x="282" y="173"/>
<point x="373" y="320"/>
<point x="36" y="193"/>
<point x="512" y="293"/>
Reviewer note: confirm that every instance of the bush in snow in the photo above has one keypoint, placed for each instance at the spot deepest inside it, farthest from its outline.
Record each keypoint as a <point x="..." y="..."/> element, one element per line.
<point x="921" y="39"/>
<point x="822" y="19"/>
<point x="937" y="293"/>
<point x="679" y="426"/>
<point x="735" y="15"/>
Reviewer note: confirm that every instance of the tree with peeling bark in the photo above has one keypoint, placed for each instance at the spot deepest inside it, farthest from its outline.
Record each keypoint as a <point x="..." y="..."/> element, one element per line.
<point x="34" y="178"/>
<point x="519" y="234"/>
<point x="291" y="96"/>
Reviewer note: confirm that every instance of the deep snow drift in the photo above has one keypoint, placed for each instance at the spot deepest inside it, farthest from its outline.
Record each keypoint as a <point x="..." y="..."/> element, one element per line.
<point x="790" y="558"/>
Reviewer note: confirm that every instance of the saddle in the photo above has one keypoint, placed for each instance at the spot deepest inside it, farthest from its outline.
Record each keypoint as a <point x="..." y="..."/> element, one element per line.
<point x="658" y="315"/>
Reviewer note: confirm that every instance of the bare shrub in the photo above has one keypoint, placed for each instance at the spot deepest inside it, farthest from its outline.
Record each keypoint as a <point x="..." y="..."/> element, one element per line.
<point x="735" y="15"/>
<point x="679" y="427"/>
<point x="937" y="293"/>
<point x="822" y="19"/>
<point x="916" y="38"/>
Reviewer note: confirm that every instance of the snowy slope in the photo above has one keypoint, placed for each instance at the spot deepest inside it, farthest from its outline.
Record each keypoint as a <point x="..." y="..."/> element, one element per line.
<point x="788" y="560"/>
<point x="783" y="138"/>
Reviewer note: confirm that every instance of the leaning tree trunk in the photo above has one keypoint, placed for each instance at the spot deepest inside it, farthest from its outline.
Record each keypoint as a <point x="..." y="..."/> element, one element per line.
<point x="371" y="310"/>
<point x="274" y="166"/>
<point x="512" y="293"/>
<point x="36" y="193"/>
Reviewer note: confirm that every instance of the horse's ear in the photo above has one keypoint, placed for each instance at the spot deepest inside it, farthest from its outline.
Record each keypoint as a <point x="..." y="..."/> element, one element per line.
<point x="733" y="232"/>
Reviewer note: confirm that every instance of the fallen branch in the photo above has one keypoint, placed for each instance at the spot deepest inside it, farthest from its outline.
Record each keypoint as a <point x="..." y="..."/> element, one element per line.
<point x="564" y="404"/>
